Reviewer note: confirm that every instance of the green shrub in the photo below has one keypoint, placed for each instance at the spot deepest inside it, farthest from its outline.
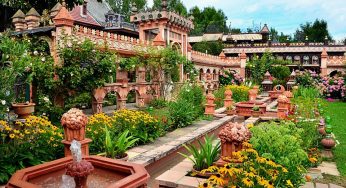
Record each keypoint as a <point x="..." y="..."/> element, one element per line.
<point x="192" y="93"/>
<point x="158" y="103"/>
<point x="187" y="107"/>
<point x="182" y="113"/>
<point x="280" y="143"/>
<point x="219" y="95"/>
<point x="206" y="155"/>
<point x="281" y="73"/>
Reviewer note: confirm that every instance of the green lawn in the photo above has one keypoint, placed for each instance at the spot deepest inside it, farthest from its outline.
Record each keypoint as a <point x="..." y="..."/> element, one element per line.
<point x="337" y="112"/>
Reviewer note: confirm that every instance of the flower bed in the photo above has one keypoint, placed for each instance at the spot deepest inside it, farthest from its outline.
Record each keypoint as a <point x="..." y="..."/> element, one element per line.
<point x="140" y="124"/>
<point x="27" y="144"/>
<point x="333" y="87"/>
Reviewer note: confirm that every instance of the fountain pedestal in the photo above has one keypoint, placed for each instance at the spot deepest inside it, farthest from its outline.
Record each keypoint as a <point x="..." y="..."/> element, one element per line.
<point x="87" y="171"/>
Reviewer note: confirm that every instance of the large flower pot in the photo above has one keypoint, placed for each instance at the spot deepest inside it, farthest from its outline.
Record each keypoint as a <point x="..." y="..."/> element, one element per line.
<point x="328" y="143"/>
<point x="23" y="110"/>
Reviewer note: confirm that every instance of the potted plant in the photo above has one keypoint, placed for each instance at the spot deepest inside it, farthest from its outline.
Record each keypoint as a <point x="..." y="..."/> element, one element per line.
<point x="15" y="72"/>
<point x="204" y="157"/>
<point x="255" y="112"/>
<point x="231" y="110"/>
<point x="116" y="149"/>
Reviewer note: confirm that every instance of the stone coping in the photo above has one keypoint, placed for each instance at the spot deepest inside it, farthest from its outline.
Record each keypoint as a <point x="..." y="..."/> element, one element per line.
<point x="177" y="176"/>
<point x="163" y="146"/>
<point x="271" y="107"/>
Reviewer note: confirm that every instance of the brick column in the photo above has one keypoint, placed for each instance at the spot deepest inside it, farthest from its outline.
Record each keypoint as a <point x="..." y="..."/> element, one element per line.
<point x="242" y="64"/>
<point x="324" y="62"/>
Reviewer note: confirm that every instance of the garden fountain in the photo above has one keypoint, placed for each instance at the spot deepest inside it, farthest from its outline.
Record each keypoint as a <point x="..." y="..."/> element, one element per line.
<point x="86" y="171"/>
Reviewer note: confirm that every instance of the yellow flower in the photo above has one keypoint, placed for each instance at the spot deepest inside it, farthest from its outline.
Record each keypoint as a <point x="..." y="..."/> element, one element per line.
<point x="250" y="125"/>
<point x="60" y="135"/>
<point x="289" y="183"/>
<point x="313" y="160"/>
<point x="249" y="174"/>
<point x="205" y="185"/>
<point x="16" y="131"/>
<point x="216" y="179"/>
<point x="284" y="170"/>
<point x="261" y="160"/>
<point x="52" y="139"/>
<point x="247" y="145"/>
<point x="247" y="182"/>
<point x="271" y="163"/>
<point x="12" y="136"/>
<point x="27" y="131"/>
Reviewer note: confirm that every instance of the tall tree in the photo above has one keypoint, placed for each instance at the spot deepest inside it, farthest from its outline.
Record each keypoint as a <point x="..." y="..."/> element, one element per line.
<point x="275" y="37"/>
<point x="173" y="5"/>
<point x="316" y="32"/>
<point x="213" y="47"/>
<point x="124" y="6"/>
<point x="208" y="20"/>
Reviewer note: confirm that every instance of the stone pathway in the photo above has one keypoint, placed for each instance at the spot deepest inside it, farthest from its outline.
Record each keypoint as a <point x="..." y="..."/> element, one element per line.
<point x="325" y="168"/>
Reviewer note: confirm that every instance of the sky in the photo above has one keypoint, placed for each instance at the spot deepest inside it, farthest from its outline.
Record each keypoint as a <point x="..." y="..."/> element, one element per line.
<point x="284" y="15"/>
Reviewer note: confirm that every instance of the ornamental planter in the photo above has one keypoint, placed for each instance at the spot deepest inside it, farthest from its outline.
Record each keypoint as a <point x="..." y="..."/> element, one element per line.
<point x="232" y="136"/>
<point x="245" y="108"/>
<point x="23" y="110"/>
<point x="328" y="143"/>
<point x="255" y="113"/>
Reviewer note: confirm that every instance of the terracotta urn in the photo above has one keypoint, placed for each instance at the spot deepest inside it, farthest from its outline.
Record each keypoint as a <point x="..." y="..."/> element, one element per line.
<point x="23" y="110"/>
<point x="256" y="88"/>
<point x="232" y="136"/>
<point x="322" y="130"/>
<point x="328" y="143"/>
<point x="252" y="95"/>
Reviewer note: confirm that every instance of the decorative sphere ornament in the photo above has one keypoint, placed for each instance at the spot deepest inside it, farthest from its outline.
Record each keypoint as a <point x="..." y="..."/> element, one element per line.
<point x="328" y="128"/>
<point x="328" y="119"/>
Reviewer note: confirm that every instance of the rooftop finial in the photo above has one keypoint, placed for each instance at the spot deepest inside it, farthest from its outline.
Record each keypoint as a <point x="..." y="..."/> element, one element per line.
<point x="63" y="3"/>
<point x="164" y="5"/>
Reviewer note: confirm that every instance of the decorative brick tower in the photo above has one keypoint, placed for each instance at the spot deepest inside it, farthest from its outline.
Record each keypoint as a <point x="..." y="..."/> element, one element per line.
<point x="18" y="20"/>
<point x="164" y="28"/>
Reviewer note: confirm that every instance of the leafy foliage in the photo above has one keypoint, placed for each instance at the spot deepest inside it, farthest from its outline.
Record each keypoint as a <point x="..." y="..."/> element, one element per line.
<point x="141" y="125"/>
<point x="260" y="65"/>
<point x="280" y="143"/>
<point x="187" y="107"/>
<point x="158" y="103"/>
<point x="117" y="148"/>
<point x="206" y="155"/>
<point x="27" y="144"/>
<point x="253" y="171"/>
<point x="231" y="78"/>
<point x="208" y="20"/>
<point x="316" y="32"/>
<point x="213" y="47"/>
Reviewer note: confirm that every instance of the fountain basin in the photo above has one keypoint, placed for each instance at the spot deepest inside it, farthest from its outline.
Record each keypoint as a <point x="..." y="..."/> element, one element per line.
<point x="108" y="173"/>
<point x="245" y="108"/>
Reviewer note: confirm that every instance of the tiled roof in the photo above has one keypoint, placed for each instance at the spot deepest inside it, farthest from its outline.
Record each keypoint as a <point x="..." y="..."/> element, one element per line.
<point x="88" y="19"/>
<point x="220" y="36"/>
